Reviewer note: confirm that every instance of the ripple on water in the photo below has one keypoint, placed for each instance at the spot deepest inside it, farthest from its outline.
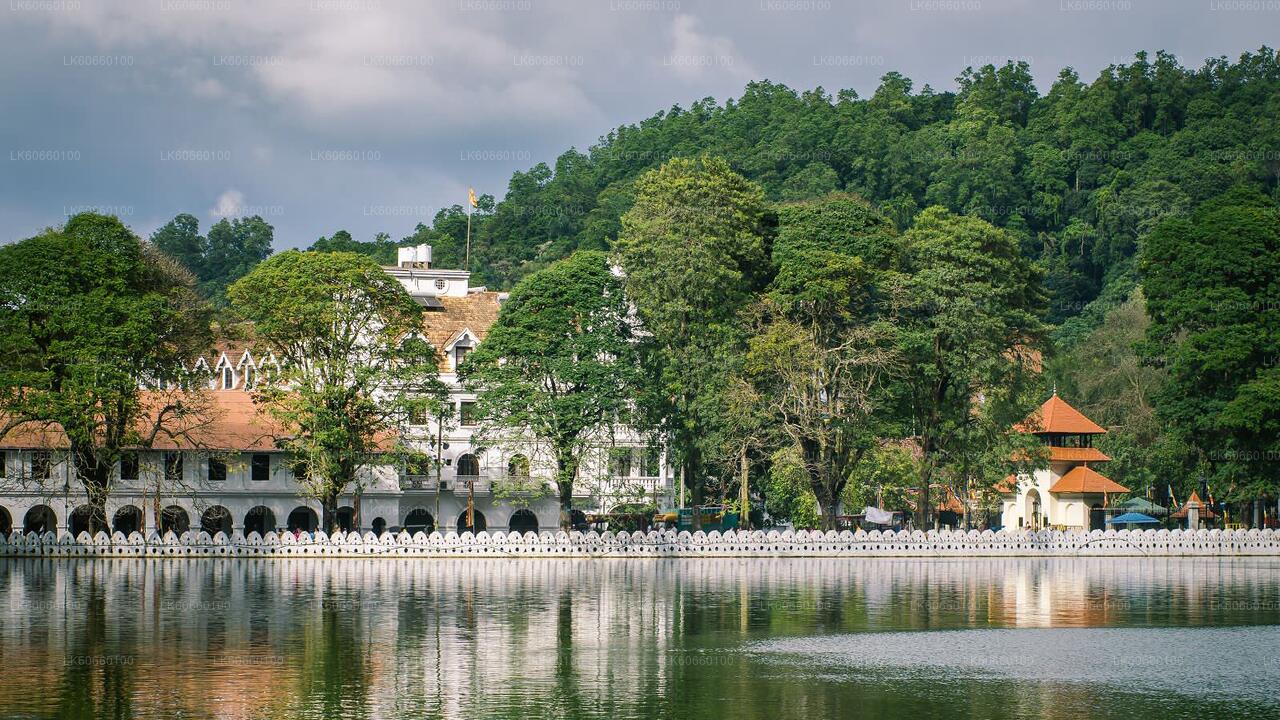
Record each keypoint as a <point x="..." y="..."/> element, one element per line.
<point x="1219" y="663"/>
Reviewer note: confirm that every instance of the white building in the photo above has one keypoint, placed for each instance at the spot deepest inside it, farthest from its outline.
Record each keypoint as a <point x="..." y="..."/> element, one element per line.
<point x="1068" y="494"/>
<point x="238" y="480"/>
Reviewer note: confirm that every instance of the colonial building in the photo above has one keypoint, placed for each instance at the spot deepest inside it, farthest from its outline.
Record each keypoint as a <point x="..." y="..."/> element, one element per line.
<point x="228" y="475"/>
<point x="1069" y="493"/>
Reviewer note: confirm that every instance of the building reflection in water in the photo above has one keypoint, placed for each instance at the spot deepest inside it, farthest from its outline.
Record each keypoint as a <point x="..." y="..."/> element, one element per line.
<point x="459" y="638"/>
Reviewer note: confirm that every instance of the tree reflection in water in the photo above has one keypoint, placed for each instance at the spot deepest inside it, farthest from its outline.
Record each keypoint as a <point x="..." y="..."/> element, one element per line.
<point x="572" y="638"/>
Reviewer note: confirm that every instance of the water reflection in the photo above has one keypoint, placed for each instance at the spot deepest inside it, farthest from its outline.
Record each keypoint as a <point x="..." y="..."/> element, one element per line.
<point x="616" y="638"/>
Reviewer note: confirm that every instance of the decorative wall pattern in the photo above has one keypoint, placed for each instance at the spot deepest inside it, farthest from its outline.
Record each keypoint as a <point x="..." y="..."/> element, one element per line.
<point x="653" y="544"/>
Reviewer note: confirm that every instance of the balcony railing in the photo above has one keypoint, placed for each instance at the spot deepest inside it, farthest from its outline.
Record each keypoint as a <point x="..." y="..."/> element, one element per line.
<point x="465" y="484"/>
<point x="418" y="482"/>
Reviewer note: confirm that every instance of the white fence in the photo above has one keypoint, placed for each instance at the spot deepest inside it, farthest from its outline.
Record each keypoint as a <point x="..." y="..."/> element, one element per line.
<point x="653" y="544"/>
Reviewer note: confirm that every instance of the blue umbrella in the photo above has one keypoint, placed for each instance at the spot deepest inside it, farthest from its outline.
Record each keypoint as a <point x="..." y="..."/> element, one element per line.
<point x="1132" y="518"/>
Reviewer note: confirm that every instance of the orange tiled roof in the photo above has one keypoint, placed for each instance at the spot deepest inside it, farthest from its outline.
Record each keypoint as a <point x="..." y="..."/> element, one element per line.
<point x="1056" y="416"/>
<point x="1074" y="454"/>
<point x="228" y="421"/>
<point x="1008" y="485"/>
<point x="1082" y="479"/>
<point x="1195" y="502"/>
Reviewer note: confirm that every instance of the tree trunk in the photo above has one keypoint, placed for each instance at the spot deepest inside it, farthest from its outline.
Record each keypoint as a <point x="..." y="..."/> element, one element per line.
<point x="329" y="512"/>
<point x="744" y="498"/>
<point x="695" y="488"/>
<point x="96" y="478"/>
<point x="566" y="471"/>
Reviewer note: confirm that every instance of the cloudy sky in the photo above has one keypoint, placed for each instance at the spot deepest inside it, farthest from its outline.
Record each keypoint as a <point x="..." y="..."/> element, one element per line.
<point x="370" y="115"/>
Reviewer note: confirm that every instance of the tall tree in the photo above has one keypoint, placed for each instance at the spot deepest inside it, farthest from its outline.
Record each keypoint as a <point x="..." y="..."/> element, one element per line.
<point x="90" y="314"/>
<point x="970" y="333"/>
<point x="1212" y="283"/>
<point x="692" y="247"/>
<point x="230" y="251"/>
<point x="822" y="353"/>
<point x="354" y="366"/>
<point x="559" y="365"/>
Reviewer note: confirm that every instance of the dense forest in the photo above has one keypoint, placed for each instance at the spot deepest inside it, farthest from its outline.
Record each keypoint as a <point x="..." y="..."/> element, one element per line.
<point x="1114" y="189"/>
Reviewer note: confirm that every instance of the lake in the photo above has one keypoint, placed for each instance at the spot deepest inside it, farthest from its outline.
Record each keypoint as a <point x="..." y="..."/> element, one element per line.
<point x="640" y="638"/>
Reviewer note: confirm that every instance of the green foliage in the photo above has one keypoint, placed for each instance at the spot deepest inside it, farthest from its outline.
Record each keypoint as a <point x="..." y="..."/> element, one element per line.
<point x="89" y="310"/>
<point x="693" y="249"/>
<point x="789" y="496"/>
<point x="231" y="250"/>
<point x="559" y="365"/>
<point x="969" y="331"/>
<point x="821" y="353"/>
<point x="1213" y="287"/>
<point x="354" y="367"/>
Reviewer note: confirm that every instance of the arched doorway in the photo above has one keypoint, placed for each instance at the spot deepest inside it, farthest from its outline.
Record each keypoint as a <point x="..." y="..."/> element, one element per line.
<point x="1097" y="517"/>
<point x="83" y="520"/>
<point x="216" y="519"/>
<point x="6" y="521"/>
<point x="303" y="519"/>
<point x="419" y="520"/>
<point x="523" y="521"/>
<point x="346" y="518"/>
<point x="481" y="523"/>
<point x="379" y="526"/>
<point x="1032" y="516"/>
<point x="40" y="519"/>
<point x="128" y="519"/>
<point x="259" y="519"/>
<point x="174" y="519"/>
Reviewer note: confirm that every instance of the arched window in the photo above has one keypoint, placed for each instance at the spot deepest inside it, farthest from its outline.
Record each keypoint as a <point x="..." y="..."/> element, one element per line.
<point x="518" y="466"/>
<point x="468" y="465"/>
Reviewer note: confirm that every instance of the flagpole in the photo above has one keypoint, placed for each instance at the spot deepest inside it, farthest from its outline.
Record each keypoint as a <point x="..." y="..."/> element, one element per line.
<point x="467" y="265"/>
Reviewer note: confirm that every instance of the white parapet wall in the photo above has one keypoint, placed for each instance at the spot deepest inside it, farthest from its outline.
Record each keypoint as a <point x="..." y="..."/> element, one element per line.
<point x="654" y="544"/>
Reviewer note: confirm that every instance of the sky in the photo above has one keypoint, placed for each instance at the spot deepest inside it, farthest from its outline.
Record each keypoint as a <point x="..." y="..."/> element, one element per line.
<point x="370" y="115"/>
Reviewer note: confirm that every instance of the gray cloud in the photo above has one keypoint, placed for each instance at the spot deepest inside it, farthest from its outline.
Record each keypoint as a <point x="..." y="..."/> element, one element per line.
<point x="372" y="114"/>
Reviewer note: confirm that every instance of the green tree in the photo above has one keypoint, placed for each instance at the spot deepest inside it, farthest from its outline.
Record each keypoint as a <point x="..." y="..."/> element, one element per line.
<point x="1212" y="283"/>
<point x="969" y="332"/>
<point x="354" y="365"/>
<point x="559" y="365"/>
<point x="91" y="314"/>
<point x="230" y="251"/>
<point x="692" y="247"/>
<point x="822" y="353"/>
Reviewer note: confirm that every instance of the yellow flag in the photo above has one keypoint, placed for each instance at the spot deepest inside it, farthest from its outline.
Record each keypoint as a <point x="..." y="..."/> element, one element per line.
<point x="471" y="197"/>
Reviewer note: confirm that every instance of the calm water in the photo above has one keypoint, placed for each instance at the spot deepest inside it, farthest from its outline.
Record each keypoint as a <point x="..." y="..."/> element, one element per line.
<point x="789" y="638"/>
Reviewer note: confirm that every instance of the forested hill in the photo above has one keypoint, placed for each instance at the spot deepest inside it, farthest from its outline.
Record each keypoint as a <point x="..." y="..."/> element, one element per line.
<point x="1079" y="172"/>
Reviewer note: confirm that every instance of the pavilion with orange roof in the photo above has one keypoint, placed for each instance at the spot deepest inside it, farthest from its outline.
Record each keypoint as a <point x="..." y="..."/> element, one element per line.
<point x="1069" y="493"/>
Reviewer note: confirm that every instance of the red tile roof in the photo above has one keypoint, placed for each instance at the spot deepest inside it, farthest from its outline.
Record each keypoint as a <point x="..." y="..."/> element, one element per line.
<point x="1195" y="502"/>
<point x="1082" y="479"/>
<point x="1056" y="416"/>
<point x="224" y="420"/>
